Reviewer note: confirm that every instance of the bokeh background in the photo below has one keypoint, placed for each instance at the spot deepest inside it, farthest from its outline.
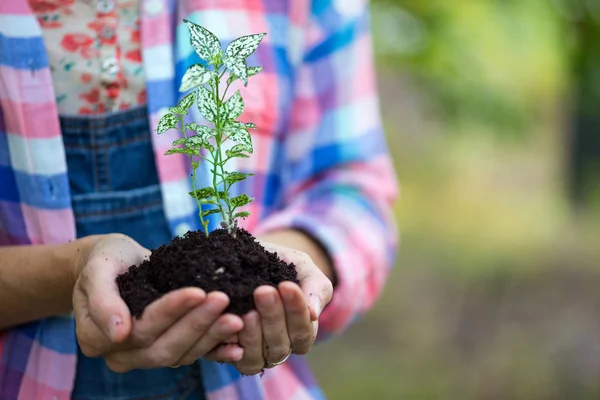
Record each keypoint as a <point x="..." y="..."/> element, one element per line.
<point x="492" y="110"/>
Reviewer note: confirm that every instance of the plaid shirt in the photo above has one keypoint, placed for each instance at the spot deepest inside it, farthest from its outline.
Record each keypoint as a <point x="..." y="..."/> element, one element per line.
<point x="320" y="165"/>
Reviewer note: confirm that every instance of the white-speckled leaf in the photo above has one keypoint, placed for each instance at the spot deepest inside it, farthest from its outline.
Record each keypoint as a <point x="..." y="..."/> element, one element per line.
<point x="241" y="200"/>
<point x="238" y="132"/>
<point x="234" y="106"/>
<point x="205" y="133"/>
<point x="204" y="42"/>
<point x="203" y="193"/>
<point x="196" y="75"/>
<point x="251" y="71"/>
<point x="238" y="67"/>
<point x="207" y="104"/>
<point x="178" y="142"/>
<point x="197" y="141"/>
<point x="168" y="121"/>
<point x="187" y="102"/>
<point x="244" y="46"/>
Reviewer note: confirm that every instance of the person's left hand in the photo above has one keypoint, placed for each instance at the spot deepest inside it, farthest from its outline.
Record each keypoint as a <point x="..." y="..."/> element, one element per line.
<point x="286" y="318"/>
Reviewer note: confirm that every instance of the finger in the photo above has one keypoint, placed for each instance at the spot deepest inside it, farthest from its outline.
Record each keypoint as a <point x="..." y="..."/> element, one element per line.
<point x="298" y="321"/>
<point x="251" y="341"/>
<point x="161" y="315"/>
<point x="92" y="340"/>
<point x="176" y="341"/>
<point x="225" y="353"/>
<point x="216" y="334"/>
<point x="317" y="288"/>
<point x="272" y="316"/>
<point x="106" y="307"/>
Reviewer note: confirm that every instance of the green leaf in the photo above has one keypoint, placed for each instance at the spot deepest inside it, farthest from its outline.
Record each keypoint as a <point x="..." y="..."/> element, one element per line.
<point x="168" y="121"/>
<point x="234" y="106"/>
<point x="203" y="193"/>
<point x="196" y="141"/>
<point x="196" y="75"/>
<point x="207" y="104"/>
<point x="238" y="67"/>
<point x="241" y="200"/>
<point x="238" y="132"/>
<point x="175" y="110"/>
<point x="205" y="132"/>
<point x="177" y="150"/>
<point x="233" y="177"/>
<point x="244" y="46"/>
<point x="186" y="102"/>
<point x="178" y="142"/>
<point x="195" y="164"/>
<point x="250" y="71"/>
<point x="224" y="195"/>
<point x="204" y="42"/>
<point x="242" y="214"/>
<point x="237" y="148"/>
<point x="232" y="154"/>
<point x="206" y="213"/>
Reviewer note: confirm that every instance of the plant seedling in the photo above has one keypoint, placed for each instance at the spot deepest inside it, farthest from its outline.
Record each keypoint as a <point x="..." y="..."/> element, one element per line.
<point x="228" y="259"/>
<point x="204" y="143"/>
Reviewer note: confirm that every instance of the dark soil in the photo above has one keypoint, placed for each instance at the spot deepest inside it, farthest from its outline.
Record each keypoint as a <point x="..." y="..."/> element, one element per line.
<point x="220" y="262"/>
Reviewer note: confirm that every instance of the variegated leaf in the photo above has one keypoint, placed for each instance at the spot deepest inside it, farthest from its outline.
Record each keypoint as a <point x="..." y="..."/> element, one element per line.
<point x="195" y="75"/>
<point x="237" y="151"/>
<point x="203" y="193"/>
<point x="205" y="132"/>
<point x="250" y="71"/>
<point x="177" y="150"/>
<point x="196" y="141"/>
<point x="241" y="200"/>
<point x="233" y="177"/>
<point x="168" y="121"/>
<point x="224" y="195"/>
<point x="238" y="67"/>
<point x="234" y="106"/>
<point x="186" y="102"/>
<point x="178" y="142"/>
<point x="204" y="42"/>
<point x="244" y="46"/>
<point x="207" y="104"/>
<point x="238" y="132"/>
<point x="242" y="214"/>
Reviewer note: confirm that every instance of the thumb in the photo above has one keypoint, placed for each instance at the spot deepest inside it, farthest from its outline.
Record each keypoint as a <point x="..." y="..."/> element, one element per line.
<point x="106" y="307"/>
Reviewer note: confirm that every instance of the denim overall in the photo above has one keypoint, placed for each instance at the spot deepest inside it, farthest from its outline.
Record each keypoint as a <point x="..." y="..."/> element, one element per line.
<point x="115" y="189"/>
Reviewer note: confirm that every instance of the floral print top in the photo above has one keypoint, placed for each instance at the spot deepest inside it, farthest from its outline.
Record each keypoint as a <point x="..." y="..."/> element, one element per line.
<point x="94" y="53"/>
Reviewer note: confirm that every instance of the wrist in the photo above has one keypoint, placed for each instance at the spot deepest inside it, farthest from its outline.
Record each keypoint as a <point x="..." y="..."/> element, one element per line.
<point x="78" y="253"/>
<point x="299" y="240"/>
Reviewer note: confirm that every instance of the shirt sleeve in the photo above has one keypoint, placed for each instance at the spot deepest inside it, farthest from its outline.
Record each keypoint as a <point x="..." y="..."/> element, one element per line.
<point x="340" y="185"/>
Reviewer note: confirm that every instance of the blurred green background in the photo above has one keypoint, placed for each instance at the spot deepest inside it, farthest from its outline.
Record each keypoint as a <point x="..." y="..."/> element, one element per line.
<point x="492" y="109"/>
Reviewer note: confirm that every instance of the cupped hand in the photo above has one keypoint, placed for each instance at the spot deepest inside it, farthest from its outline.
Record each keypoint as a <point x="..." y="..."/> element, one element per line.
<point x="286" y="318"/>
<point x="175" y="330"/>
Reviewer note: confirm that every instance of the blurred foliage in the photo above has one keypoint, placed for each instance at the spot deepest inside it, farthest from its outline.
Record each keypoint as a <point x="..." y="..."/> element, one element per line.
<point x="492" y="61"/>
<point x="495" y="292"/>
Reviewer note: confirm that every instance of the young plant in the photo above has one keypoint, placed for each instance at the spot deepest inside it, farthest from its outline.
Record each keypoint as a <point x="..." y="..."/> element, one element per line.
<point x="205" y="142"/>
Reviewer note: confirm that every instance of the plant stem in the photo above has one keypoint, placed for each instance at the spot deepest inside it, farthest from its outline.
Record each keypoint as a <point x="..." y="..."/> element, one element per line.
<point x="202" y="221"/>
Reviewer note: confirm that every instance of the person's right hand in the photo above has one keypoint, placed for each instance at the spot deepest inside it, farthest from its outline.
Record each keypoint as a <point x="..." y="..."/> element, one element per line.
<point x="175" y="330"/>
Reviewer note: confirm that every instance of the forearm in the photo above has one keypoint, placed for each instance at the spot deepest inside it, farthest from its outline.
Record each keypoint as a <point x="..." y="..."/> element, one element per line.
<point x="37" y="281"/>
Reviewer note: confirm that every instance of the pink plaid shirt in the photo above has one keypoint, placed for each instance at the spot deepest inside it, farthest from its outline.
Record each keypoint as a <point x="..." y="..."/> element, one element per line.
<point x="320" y="163"/>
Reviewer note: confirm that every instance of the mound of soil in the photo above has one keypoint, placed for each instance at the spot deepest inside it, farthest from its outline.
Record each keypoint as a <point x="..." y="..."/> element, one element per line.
<point x="220" y="262"/>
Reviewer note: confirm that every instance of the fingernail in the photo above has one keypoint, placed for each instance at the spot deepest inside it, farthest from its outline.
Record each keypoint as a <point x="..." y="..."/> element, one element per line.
<point x="268" y="300"/>
<point x="315" y="304"/>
